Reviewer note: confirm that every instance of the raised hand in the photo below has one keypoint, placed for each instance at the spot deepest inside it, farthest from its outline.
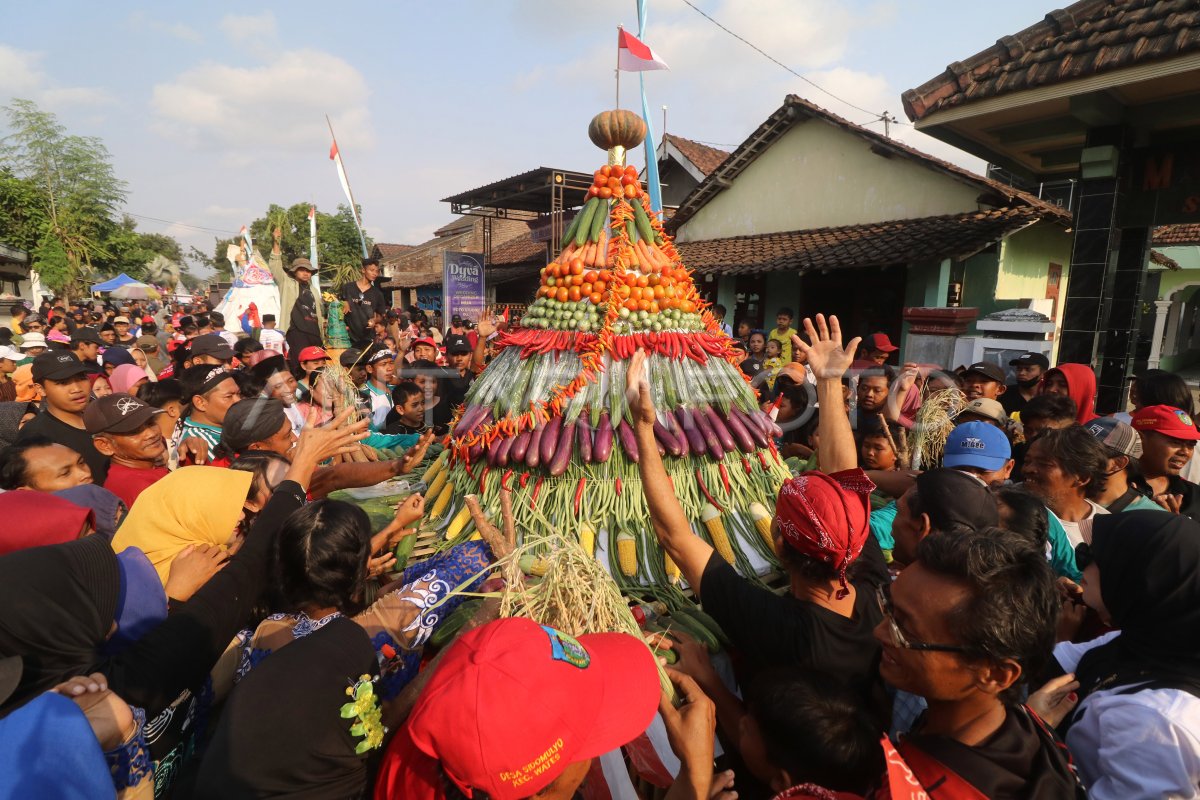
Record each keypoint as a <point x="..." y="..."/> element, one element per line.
<point x="637" y="390"/>
<point x="416" y="453"/>
<point x="410" y="510"/>
<point x="192" y="568"/>
<point x="823" y="350"/>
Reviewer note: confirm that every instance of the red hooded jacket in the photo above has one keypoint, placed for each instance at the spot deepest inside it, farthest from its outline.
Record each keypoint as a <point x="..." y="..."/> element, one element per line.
<point x="1081" y="385"/>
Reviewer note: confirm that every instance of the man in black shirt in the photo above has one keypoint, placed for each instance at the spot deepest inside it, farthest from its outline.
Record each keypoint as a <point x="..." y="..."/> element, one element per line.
<point x="303" y="330"/>
<point x="63" y="379"/>
<point x="827" y="618"/>
<point x="86" y="343"/>
<point x="1030" y="368"/>
<point x="360" y="302"/>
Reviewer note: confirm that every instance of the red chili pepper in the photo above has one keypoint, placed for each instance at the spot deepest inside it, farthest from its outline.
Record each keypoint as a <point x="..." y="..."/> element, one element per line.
<point x="504" y="479"/>
<point x="467" y="467"/>
<point x="707" y="495"/>
<point x="483" y="479"/>
<point x="746" y="464"/>
<point x="579" y="494"/>
<point x="725" y="479"/>
<point x="524" y="479"/>
<point x="618" y="486"/>
<point x="762" y="457"/>
<point x="537" y="487"/>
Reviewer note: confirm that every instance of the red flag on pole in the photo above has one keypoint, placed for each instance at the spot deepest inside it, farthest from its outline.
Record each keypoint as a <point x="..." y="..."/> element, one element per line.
<point x="634" y="55"/>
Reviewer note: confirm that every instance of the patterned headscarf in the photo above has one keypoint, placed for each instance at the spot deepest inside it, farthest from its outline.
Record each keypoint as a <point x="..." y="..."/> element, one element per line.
<point x="826" y="518"/>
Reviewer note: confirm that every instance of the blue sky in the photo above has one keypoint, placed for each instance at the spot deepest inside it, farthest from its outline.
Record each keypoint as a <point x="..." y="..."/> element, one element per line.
<point x="214" y="110"/>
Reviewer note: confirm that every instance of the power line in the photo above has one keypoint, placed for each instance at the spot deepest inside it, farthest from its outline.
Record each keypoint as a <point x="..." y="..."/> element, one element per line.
<point x="200" y="228"/>
<point x="884" y="117"/>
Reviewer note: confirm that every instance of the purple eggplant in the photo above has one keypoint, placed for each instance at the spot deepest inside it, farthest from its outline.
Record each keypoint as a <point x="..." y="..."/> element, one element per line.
<point x="685" y="447"/>
<point x="584" y="431"/>
<point x="562" y="455"/>
<point x="493" y="453"/>
<point x="520" y="444"/>
<point x="715" y="448"/>
<point x="533" y="455"/>
<point x="628" y="442"/>
<point x="603" y="445"/>
<point x="772" y="430"/>
<point x="666" y="440"/>
<point x="474" y="452"/>
<point x="691" y="432"/>
<point x="723" y="434"/>
<point x="749" y="426"/>
<point x="505" y="447"/>
<point x="550" y="440"/>
<point x="467" y="419"/>
<point x="744" y="440"/>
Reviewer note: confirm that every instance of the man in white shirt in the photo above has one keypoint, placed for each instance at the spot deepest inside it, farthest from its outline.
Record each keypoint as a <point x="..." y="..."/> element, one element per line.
<point x="381" y="374"/>
<point x="270" y="337"/>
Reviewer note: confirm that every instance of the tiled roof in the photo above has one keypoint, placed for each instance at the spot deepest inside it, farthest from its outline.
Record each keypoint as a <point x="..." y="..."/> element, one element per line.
<point x="518" y="250"/>
<point x="703" y="157"/>
<point x="795" y="109"/>
<point x="387" y="251"/>
<point x="956" y="236"/>
<point x="1163" y="261"/>
<point x="1177" y="235"/>
<point x="1085" y="38"/>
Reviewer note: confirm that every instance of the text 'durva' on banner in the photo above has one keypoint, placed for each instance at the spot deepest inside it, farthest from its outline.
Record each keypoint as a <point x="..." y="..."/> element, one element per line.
<point x="462" y="286"/>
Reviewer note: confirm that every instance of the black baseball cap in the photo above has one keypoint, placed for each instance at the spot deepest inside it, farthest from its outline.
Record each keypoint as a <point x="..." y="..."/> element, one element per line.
<point x="57" y="365"/>
<point x="211" y="344"/>
<point x="1030" y="360"/>
<point x="458" y="347"/>
<point x="86" y="335"/>
<point x="990" y="371"/>
<point x="350" y="357"/>
<point x="117" y="413"/>
<point x="956" y="501"/>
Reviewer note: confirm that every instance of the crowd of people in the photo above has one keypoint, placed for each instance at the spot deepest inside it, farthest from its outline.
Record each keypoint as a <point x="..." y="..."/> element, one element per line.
<point x="188" y="613"/>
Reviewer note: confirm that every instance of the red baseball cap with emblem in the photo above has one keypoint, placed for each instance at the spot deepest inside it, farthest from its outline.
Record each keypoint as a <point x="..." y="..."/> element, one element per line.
<point x="1167" y="420"/>
<point x="881" y="342"/>
<point x="513" y="703"/>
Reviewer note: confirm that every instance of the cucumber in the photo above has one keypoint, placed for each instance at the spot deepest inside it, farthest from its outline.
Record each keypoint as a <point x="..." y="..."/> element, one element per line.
<point x="643" y="222"/>
<point x="709" y="623"/>
<point x="697" y="631"/>
<point x="403" y="550"/>
<point x="570" y="233"/>
<point x="585" y="221"/>
<point x="631" y="231"/>
<point x="450" y="626"/>
<point x="599" y="220"/>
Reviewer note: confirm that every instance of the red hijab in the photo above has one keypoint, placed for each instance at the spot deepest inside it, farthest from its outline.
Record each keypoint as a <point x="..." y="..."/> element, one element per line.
<point x="45" y="519"/>
<point x="1081" y="386"/>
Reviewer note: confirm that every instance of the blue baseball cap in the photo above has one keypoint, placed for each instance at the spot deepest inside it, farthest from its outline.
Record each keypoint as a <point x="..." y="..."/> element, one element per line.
<point x="141" y="601"/>
<point x="977" y="444"/>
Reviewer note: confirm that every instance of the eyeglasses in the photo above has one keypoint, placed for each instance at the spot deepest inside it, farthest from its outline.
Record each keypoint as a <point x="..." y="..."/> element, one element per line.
<point x="883" y="595"/>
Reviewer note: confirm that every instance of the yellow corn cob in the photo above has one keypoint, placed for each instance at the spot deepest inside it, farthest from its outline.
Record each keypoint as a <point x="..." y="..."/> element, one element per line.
<point x="475" y="537"/>
<point x="716" y="531"/>
<point x="587" y="538"/>
<point x="762" y="522"/>
<point x="627" y="554"/>
<point x="434" y="468"/>
<point x="458" y="523"/>
<point x="440" y="482"/>
<point x="443" y="500"/>
<point x="671" y="569"/>
<point x="533" y="566"/>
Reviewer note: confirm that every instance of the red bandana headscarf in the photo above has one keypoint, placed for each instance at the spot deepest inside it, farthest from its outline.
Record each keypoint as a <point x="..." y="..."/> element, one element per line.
<point x="826" y="518"/>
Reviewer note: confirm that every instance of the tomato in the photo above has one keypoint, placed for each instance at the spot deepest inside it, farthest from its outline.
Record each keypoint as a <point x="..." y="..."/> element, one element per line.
<point x="606" y="170"/>
<point x="632" y="305"/>
<point x="642" y="280"/>
<point x="643" y="305"/>
<point x="622" y="290"/>
<point x="599" y="178"/>
<point x="561" y="294"/>
<point x="658" y="293"/>
<point x="599" y="286"/>
<point x="669" y="292"/>
<point x="630" y="169"/>
<point x="605" y="275"/>
<point x="591" y="276"/>
<point x="628" y="179"/>
<point x="576" y="266"/>
<point x="596" y="298"/>
<point x="614" y="184"/>
<point x="606" y="193"/>
<point x="573" y="294"/>
<point x="585" y="287"/>
<point x="687" y="306"/>
<point x="631" y="192"/>
<point x="653" y="307"/>
<point x="635" y="293"/>
<point x="577" y="280"/>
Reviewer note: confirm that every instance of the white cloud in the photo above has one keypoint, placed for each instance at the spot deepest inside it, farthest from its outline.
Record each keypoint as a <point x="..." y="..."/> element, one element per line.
<point x="21" y="75"/>
<point x="243" y="28"/>
<point x="141" y="21"/>
<point x="249" y="112"/>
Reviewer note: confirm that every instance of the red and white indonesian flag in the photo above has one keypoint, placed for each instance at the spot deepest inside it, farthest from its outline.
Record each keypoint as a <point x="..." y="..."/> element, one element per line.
<point x="634" y="55"/>
<point x="336" y="158"/>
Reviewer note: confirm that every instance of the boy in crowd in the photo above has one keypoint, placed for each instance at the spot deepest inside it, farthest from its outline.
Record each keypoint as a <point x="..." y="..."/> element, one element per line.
<point x="86" y="346"/>
<point x="1029" y="367"/>
<point x="361" y="300"/>
<point x="783" y="333"/>
<point x="121" y="332"/>
<point x="272" y="338"/>
<point x="40" y="465"/>
<point x="217" y="320"/>
<point x="879" y="349"/>
<point x="126" y="430"/>
<point x="1168" y="442"/>
<point x="408" y="415"/>
<point x="208" y="392"/>
<point x="983" y="380"/>
<point x="381" y="374"/>
<point x="63" y="380"/>
<point x="719" y="311"/>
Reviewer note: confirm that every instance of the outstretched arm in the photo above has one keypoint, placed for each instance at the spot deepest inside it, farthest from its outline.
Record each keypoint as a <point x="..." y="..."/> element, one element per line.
<point x="689" y="552"/>
<point x="829" y="362"/>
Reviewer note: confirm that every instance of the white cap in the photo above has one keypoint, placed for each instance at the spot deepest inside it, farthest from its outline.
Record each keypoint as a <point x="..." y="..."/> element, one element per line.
<point x="34" y="339"/>
<point x="11" y="353"/>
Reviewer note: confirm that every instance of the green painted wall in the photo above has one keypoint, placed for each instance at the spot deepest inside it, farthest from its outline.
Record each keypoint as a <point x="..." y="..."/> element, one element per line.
<point x="980" y="285"/>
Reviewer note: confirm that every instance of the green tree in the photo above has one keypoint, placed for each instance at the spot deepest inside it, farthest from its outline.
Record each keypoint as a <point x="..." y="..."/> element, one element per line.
<point x="78" y="191"/>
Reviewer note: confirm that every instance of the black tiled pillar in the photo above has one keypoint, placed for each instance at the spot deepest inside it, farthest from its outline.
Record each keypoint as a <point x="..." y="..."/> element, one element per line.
<point x="1119" y="334"/>
<point x="1095" y="230"/>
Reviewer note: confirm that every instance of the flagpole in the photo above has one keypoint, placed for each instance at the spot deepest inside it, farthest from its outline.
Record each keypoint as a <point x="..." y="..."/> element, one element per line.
<point x="353" y="203"/>
<point x="618" y="70"/>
